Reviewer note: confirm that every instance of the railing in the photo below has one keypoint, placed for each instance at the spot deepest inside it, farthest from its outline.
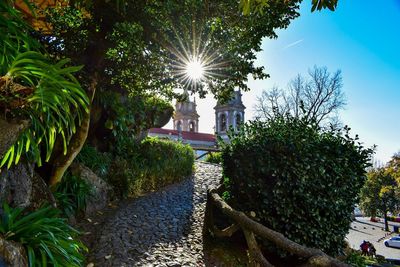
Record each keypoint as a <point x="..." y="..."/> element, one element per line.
<point x="251" y="229"/>
<point x="207" y="149"/>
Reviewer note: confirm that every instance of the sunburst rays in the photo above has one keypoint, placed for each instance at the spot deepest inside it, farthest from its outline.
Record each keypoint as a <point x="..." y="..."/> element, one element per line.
<point x="196" y="60"/>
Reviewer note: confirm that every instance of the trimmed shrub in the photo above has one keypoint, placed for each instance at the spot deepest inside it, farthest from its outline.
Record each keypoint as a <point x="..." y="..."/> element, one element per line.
<point x="299" y="180"/>
<point x="150" y="165"/>
<point x="48" y="239"/>
<point x="214" y="157"/>
<point x="122" y="176"/>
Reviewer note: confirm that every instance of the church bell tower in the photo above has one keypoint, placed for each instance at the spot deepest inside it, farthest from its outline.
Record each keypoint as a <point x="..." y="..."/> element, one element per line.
<point x="229" y="115"/>
<point x="186" y="117"/>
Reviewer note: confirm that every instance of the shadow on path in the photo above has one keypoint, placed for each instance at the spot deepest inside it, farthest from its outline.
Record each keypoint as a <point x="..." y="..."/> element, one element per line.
<point x="163" y="228"/>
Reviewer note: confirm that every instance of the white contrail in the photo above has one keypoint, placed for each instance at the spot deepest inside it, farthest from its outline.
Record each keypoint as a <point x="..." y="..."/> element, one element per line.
<point x="293" y="44"/>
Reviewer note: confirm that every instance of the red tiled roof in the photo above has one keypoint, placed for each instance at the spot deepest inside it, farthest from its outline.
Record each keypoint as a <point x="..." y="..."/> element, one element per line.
<point x="185" y="135"/>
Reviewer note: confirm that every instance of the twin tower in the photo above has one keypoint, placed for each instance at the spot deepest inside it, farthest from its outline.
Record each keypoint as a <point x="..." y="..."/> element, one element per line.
<point x="229" y="114"/>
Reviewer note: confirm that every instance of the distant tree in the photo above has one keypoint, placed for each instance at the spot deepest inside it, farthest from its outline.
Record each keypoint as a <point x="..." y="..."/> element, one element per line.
<point x="376" y="164"/>
<point x="316" y="99"/>
<point x="393" y="167"/>
<point x="380" y="194"/>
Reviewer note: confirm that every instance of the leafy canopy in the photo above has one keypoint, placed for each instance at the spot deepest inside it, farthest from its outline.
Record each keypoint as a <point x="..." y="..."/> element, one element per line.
<point x="143" y="46"/>
<point x="249" y="6"/>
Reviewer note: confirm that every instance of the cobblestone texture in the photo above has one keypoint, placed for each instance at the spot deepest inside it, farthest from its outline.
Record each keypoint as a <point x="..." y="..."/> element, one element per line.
<point x="160" y="229"/>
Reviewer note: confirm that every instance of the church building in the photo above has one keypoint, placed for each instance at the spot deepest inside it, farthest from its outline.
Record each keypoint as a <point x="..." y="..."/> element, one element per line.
<point x="228" y="115"/>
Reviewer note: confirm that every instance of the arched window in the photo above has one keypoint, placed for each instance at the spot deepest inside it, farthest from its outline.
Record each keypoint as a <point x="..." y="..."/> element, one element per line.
<point x="179" y="126"/>
<point x="222" y="122"/>
<point x="192" y="126"/>
<point x="238" y="120"/>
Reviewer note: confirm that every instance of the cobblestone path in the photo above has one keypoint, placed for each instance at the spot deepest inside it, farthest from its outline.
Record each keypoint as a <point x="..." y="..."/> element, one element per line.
<point x="160" y="229"/>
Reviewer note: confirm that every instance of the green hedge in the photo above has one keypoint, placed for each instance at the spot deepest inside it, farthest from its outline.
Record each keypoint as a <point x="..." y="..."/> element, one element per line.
<point x="298" y="179"/>
<point x="150" y="165"/>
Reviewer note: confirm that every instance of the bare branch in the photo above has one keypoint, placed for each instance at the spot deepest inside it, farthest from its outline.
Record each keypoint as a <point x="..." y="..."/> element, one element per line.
<point x="316" y="99"/>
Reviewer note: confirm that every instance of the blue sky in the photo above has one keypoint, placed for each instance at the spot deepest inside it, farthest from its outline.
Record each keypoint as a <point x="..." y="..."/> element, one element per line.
<point x="361" y="38"/>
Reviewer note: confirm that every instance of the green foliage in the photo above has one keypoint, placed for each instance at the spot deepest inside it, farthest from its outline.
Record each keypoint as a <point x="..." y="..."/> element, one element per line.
<point x="72" y="194"/>
<point x="214" y="157"/>
<point x="66" y="19"/>
<point x="97" y="161"/>
<point x="48" y="239"/>
<point x="393" y="167"/>
<point x="258" y="6"/>
<point x="122" y="176"/>
<point x="150" y="165"/>
<point x="128" y="116"/>
<point x="130" y="74"/>
<point x="357" y="260"/>
<point x="299" y="180"/>
<point x="144" y="48"/>
<point x="226" y="195"/>
<point x="320" y="4"/>
<point x="33" y="86"/>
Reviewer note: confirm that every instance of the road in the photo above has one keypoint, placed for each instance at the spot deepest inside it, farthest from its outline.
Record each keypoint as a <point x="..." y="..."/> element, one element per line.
<point x="363" y="229"/>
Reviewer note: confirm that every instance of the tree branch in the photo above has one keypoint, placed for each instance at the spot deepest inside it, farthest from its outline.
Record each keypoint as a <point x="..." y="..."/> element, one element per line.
<point x="277" y="238"/>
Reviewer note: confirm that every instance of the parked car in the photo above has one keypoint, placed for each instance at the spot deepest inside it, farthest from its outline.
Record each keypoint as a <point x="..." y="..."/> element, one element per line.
<point x="393" y="261"/>
<point x="358" y="212"/>
<point x="392" y="242"/>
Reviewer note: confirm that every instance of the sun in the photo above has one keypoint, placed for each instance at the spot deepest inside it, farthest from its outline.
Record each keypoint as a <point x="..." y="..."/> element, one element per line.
<point x="195" y="62"/>
<point x="195" y="69"/>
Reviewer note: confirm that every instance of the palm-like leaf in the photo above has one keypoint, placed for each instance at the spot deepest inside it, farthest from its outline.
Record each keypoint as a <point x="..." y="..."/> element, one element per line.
<point x="31" y="85"/>
<point x="46" y="237"/>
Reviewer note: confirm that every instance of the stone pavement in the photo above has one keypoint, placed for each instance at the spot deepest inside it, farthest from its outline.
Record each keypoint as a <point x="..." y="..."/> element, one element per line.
<point x="363" y="229"/>
<point x="163" y="228"/>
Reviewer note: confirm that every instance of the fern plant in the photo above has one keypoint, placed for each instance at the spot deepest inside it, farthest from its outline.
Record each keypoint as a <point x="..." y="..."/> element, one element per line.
<point x="72" y="194"/>
<point x="48" y="239"/>
<point x="33" y="86"/>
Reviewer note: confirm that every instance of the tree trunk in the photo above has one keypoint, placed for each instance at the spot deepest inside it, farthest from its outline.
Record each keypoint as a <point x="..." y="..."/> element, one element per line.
<point x="93" y="60"/>
<point x="63" y="161"/>
<point x="386" y="221"/>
